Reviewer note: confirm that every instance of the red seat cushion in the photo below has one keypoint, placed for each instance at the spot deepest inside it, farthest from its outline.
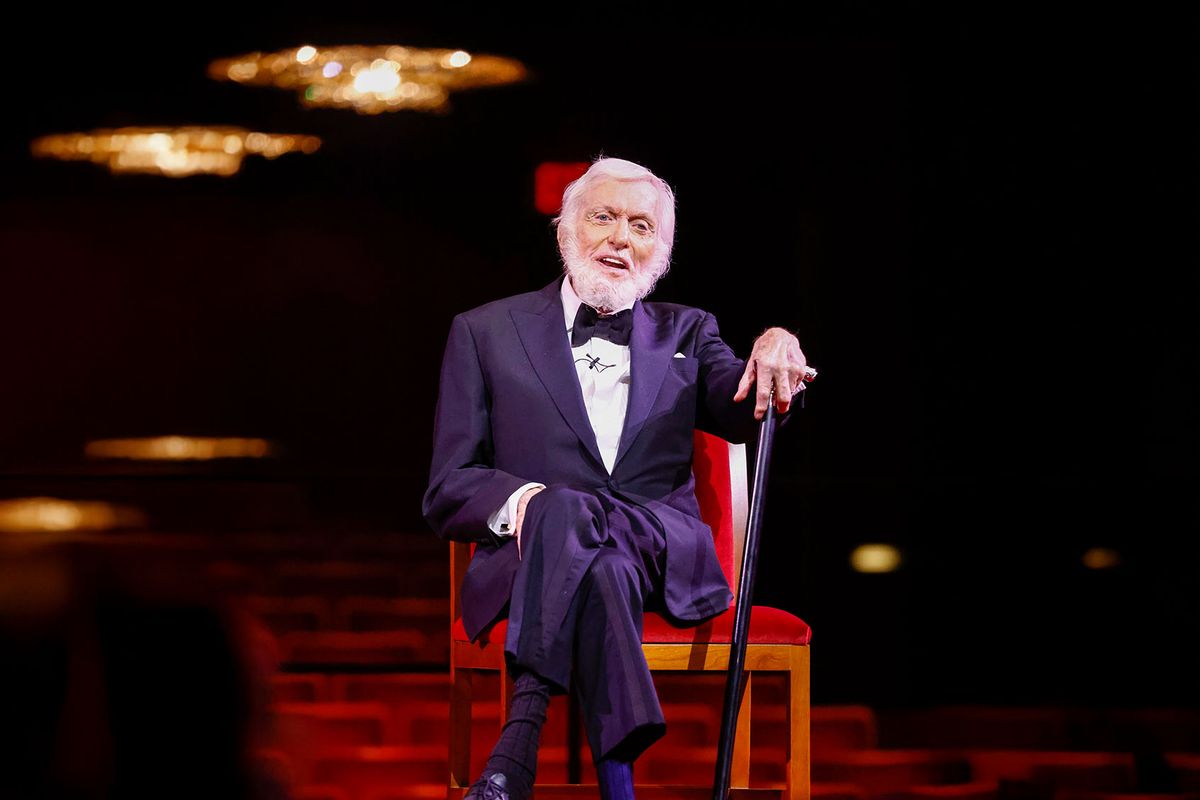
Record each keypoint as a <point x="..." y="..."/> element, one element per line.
<point x="767" y="626"/>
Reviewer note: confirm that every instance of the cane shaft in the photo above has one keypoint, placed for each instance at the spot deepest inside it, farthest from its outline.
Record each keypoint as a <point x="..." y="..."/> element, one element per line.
<point x="743" y="604"/>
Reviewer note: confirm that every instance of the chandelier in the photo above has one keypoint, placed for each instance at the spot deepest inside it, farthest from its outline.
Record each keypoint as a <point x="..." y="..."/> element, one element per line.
<point x="173" y="152"/>
<point x="370" y="79"/>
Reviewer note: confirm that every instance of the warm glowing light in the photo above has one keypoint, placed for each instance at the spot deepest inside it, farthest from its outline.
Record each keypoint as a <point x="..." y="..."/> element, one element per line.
<point x="50" y="514"/>
<point x="173" y="152"/>
<point x="382" y="78"/>
<point x="875" y="558"/>
<point x="370" y="80"/>
<point x="1101" y="558"/>
<point x="179" y="448"/>
<point x="243" y="72"/>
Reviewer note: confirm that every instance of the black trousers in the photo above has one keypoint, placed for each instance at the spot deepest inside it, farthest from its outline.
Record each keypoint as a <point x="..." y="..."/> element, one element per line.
<point x="591" y="563"/>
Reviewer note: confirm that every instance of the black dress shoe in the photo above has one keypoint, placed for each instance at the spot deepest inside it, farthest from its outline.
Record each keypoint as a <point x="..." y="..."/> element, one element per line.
<point x="489" y="787"/>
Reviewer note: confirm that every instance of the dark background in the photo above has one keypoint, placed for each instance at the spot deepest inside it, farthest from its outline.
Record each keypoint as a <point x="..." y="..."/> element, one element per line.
<point x="980" y="223"/>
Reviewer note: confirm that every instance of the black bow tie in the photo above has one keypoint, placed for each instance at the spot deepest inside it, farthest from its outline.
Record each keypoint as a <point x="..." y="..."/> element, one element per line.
<point x="588" y="323"/>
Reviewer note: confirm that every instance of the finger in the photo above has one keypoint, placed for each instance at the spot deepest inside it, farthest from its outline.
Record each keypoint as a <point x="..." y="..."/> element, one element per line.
<point x="744" y="384"/>
<point x="783" y="394"/>
<point x="763" y="397"/>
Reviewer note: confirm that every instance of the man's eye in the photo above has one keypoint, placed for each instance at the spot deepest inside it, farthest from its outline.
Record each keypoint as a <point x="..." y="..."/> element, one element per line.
<point x="642" y="227"/>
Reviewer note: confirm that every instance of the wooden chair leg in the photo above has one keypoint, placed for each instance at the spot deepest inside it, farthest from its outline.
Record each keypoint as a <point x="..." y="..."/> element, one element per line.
<point x="460" y="727"/>
<point x="799" y="725"/>
<point x="739" y="776"/>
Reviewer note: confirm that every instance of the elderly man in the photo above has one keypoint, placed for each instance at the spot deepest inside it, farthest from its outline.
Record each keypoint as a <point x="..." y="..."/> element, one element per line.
<point x="563" y="446"/>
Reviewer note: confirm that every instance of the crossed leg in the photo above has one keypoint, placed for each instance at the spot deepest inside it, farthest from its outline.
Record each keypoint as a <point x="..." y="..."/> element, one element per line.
<point x="589" y="564"/>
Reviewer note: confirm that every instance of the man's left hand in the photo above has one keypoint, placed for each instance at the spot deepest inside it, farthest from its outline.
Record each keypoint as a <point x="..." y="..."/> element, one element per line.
<point x="775" y="360"/>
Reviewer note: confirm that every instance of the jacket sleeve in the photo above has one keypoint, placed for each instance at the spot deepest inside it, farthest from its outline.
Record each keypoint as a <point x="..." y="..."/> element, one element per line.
<point x="465" y="488"/>
<point x="720" y="373"/>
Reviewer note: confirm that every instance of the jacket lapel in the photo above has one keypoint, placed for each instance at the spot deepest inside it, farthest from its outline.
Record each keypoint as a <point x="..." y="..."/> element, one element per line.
<point x="544" y="337"/>
<point x="650" y="351"/>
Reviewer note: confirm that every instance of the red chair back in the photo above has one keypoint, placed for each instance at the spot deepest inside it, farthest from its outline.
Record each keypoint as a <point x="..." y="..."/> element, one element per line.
<point x="720" y="470"/>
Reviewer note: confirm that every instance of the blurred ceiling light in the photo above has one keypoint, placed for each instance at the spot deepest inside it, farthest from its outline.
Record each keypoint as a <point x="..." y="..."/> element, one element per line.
<point x="370" y="79"/>
<point x="179" y="448"/>
<point x="174" y="152"/>
<point x="1101" y="558"/>
<point x="50" y="514"/>
<point x="875" y="558"/>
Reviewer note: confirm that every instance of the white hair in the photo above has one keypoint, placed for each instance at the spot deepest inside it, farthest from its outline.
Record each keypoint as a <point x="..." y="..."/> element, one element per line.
<point x="599" y="291"/>
<point x="620" y="169"/>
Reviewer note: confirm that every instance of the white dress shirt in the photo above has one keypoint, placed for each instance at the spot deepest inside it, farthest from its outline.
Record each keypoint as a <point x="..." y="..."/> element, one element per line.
<point x="603" y="371"/>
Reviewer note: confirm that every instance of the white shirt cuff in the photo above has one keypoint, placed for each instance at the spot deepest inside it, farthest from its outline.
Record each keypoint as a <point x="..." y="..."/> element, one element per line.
<point x="501" y="521"/>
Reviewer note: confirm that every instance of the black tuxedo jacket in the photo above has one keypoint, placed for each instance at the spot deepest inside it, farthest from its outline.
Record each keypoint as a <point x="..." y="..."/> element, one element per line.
<point x="510" y="411"/>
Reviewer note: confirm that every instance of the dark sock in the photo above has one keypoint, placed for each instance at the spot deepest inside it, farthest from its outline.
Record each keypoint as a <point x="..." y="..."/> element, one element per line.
<point x="515" y="754"/>
<point x="616" y="779"/>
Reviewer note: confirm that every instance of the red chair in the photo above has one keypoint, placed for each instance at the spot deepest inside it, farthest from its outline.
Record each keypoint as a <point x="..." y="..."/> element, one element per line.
<point x="778" y="640"/>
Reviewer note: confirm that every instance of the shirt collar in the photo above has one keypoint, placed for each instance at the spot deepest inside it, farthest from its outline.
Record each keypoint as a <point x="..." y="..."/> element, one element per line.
<point x="571" y="302"/>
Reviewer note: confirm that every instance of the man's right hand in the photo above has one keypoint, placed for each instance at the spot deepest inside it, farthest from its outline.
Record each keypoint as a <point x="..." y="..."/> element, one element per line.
<point x="524" y="501"/>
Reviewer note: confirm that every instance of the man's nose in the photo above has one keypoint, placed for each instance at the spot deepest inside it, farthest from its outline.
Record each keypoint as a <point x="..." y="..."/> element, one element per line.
<point x="620" y="234"/>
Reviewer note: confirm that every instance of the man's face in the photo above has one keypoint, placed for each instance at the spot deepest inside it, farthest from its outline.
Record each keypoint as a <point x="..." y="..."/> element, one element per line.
<point x="618" y="226"/>
<point x="611" y="246"/>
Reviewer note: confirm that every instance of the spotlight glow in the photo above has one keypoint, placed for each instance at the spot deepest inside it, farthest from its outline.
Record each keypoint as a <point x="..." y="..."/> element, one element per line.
<point x="1101" y="558"/>
<point x="179" y="448"/>
<point x="875" y="558"/>
<point x="54" y="515"/>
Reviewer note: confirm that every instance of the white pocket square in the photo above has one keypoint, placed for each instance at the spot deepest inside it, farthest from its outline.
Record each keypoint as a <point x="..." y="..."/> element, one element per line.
<point x="680" y="355"/>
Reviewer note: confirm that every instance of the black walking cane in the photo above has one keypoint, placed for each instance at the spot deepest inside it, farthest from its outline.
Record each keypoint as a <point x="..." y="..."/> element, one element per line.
<point x="741" y="621"/>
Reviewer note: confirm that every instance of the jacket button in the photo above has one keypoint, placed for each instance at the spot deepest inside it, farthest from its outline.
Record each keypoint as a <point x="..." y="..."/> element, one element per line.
<point x="612" y="484"/>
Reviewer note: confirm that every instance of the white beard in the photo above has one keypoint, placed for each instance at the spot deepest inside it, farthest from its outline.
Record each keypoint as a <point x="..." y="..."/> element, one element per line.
<point x="602" y="290"/>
